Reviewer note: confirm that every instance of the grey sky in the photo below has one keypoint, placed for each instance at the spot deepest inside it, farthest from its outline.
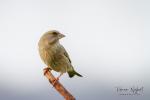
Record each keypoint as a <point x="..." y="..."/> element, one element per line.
<point x="107" y="40"/>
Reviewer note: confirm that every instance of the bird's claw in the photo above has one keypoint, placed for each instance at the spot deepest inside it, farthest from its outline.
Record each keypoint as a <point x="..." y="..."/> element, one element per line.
<point x="54" y="82"/>
<point x="46" y="70"/>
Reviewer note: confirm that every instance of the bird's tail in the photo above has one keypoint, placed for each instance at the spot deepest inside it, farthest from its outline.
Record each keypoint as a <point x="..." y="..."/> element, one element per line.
<point x="71" y="73"/>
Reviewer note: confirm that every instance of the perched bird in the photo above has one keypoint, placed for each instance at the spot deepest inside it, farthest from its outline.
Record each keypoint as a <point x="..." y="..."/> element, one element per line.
<point x="54" y="54"/>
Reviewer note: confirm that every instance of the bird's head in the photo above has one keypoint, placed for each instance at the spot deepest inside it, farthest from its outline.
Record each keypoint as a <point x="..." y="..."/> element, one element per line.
<point x="51" y="37"/>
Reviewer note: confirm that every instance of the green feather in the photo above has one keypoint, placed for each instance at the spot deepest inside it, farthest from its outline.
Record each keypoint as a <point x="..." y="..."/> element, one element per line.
<point x="72" y="73"/>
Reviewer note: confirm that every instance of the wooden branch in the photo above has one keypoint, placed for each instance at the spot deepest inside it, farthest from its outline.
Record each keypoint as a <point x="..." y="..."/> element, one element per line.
<point x="58" y="86"/>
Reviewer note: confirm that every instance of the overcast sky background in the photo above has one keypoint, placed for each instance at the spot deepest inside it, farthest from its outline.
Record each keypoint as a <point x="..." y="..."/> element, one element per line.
<point x="108" y="42"/>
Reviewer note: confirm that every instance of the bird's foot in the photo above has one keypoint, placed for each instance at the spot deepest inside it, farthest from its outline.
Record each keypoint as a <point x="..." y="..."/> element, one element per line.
<point x="54" y="82"/>
<point x="56" y="79"/>
<point x="46" y="70"/>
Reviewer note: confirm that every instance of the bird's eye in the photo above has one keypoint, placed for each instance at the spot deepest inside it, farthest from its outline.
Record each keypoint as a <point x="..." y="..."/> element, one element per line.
<point x="55" y="33"/>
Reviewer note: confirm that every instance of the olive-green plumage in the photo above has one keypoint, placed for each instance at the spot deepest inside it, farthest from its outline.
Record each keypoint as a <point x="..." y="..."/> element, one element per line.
<point x="54" y="54"/>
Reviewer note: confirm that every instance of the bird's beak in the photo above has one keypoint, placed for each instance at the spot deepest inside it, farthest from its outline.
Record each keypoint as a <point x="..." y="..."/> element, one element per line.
<point x="61" y="36"/>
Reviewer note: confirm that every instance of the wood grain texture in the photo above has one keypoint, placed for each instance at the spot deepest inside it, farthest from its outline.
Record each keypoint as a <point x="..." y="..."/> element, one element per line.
<point x="59" y="87"/>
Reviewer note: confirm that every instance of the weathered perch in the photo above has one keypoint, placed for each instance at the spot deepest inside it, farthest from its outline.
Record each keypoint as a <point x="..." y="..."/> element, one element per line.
<point x="59" y="87"/>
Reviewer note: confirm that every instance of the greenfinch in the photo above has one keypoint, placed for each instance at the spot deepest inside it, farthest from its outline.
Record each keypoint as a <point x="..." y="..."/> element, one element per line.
<point x="54" y="54"/>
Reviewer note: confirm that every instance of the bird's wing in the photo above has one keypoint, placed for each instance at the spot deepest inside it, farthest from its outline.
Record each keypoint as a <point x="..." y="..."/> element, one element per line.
<point x="65" y="53"/>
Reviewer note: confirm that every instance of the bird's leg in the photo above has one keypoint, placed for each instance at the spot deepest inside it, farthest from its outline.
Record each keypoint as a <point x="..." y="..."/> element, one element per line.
<point x="56" y="79"/>
<point x="46" y="70"/>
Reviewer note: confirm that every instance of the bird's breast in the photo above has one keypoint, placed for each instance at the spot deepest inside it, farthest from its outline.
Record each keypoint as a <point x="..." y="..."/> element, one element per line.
<point x="54" y="58"/>
<point x="45" y="55"/>
<point x="48" y="54"/>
